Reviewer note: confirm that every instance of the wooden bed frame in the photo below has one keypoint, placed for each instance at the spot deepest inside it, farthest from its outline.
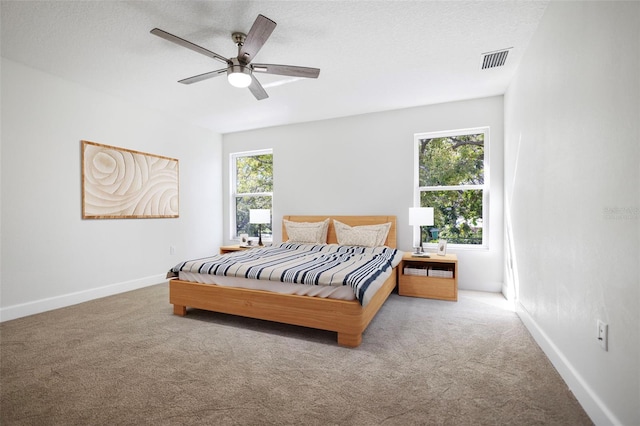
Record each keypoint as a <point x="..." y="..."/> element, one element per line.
<point x="346" y="317"/>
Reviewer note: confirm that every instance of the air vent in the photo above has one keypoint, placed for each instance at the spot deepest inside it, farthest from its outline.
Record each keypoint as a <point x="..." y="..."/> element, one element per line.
<point x="493" y="59"/>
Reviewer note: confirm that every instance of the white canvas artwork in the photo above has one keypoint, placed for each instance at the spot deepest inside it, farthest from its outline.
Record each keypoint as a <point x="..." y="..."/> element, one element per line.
<point x="122" y="183"/>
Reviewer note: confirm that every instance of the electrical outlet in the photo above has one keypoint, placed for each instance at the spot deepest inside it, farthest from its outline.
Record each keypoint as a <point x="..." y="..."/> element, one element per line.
<point x="172" y="250"/>
<point x="603" y="335"/>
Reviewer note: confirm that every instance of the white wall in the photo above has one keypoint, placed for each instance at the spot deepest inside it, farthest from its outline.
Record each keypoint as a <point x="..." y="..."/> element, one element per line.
<point x="364" y="165"/>
<point x="572" y="163"/>
<point x="50" y="256"/>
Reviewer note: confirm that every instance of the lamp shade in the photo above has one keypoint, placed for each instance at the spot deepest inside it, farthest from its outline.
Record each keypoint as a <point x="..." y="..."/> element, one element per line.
<point x="259" y="216"/>
<point x="420" y="216"/>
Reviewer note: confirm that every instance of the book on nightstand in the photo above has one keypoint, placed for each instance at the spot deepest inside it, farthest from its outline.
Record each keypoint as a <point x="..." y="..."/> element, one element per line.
<point x="441" y="273"/>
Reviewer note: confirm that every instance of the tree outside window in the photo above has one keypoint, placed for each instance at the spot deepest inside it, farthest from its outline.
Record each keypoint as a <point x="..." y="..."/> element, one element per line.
<point x="451" y="178"/>
<point x="252" y="176"/>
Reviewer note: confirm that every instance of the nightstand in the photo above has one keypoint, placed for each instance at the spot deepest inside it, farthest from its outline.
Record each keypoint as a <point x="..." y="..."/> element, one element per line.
<point x="434" y="277"/>
<point x="231" y="249"/>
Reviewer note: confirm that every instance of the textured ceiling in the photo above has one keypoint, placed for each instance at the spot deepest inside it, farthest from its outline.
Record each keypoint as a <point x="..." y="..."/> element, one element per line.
<point x="373" y="55"/>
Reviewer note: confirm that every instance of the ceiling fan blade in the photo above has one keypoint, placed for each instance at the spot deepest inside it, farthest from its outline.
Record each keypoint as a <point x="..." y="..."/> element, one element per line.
<point x="289" y="70"/>
<point x="184" y="43"/>
<point x="256" y="38"/>
<point x="205" y="76"/>
<point x="257" y="89"/>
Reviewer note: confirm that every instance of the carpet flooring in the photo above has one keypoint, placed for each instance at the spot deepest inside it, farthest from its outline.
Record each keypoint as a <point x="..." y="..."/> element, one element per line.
<point x="125" y="360"/>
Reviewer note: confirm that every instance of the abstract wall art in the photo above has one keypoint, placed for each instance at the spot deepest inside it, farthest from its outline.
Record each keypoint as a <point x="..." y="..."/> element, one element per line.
<point x="120" y="183"/>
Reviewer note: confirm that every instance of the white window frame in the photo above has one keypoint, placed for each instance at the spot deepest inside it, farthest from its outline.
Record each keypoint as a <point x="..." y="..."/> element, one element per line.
<point x="484" y="187"/>
<point x="232" y="190"/>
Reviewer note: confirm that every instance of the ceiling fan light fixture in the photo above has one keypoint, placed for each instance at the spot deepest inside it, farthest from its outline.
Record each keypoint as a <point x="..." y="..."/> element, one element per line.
<point x="239" y="76"/>
<point x="238" y="79"/>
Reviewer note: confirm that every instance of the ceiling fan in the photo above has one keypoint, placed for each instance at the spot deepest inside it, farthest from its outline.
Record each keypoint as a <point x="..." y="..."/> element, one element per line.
<point x="240" y="70"/>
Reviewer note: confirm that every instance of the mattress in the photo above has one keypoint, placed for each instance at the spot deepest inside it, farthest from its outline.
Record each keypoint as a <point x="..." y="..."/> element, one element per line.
<point x="330" y="292"/>
<point x="325" y="270"/>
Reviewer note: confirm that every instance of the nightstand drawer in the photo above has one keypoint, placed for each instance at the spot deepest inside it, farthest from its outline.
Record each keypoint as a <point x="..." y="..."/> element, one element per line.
<point x="431" y="287"/>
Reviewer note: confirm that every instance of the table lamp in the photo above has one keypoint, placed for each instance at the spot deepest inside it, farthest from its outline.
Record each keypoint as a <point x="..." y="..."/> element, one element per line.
<point x="259" y="217"/>
<point x="420" y="216"/>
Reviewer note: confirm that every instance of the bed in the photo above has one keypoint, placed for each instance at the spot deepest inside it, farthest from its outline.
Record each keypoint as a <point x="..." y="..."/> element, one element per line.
<point x="348" y="318"/>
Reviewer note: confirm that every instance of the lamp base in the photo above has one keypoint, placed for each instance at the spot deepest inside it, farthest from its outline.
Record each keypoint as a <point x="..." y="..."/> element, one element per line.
<point x="418" y="254"/>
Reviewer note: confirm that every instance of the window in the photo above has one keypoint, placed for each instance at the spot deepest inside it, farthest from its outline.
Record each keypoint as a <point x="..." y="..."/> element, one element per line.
<point x="251" y="188"/>
<point x="451" y="175"/>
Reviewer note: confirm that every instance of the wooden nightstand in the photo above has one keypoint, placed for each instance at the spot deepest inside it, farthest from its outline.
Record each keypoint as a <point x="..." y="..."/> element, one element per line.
<point x="230" y="249"/>
<point x="434" y="277"/>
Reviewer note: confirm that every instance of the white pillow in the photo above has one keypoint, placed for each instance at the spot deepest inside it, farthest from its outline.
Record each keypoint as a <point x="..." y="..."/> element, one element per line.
<point x="307" y="232"/>
<point x="365" y="235"/>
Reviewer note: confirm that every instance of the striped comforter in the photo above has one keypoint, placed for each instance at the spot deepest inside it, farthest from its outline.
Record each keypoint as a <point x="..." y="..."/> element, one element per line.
<point x="308" y="264"/>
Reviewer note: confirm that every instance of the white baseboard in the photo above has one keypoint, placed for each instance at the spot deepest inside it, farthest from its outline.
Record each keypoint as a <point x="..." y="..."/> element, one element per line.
<point x="62" y="301"/>
<point x="506" y="292"/>
<point x="592" y="404"/>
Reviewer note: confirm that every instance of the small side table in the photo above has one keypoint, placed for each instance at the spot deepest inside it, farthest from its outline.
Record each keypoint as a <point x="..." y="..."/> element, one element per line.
<point x="434" y="277"/>
<point x="232" y="248"/>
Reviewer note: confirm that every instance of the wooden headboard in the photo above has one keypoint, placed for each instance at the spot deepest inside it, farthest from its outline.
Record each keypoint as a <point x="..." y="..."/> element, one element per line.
<point x="349" y="220"/>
